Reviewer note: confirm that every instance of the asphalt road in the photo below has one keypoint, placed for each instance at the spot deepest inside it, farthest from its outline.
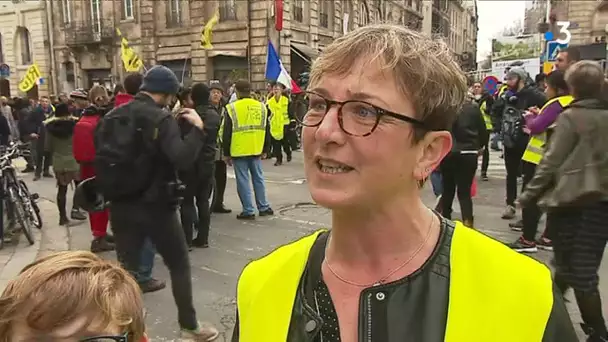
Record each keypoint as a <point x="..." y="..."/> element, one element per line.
<point x="234" y="243"/>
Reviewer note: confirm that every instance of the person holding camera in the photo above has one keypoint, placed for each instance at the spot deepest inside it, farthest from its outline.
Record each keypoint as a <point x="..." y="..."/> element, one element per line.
<point x="139" y="148"/>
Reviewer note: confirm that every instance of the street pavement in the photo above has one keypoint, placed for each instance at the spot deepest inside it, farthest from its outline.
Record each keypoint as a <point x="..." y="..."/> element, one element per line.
<point x="234" y="243"/>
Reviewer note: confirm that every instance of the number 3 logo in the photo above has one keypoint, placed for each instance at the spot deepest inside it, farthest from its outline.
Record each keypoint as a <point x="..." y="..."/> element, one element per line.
<point x="564" y="34"/>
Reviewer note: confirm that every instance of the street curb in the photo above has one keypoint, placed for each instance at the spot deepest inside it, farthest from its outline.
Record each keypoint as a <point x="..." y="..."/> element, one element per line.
<point x="23" y="254"/>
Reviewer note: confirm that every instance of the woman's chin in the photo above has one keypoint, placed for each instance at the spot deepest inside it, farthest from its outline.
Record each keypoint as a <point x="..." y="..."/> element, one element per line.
<point x="331" y="198"/>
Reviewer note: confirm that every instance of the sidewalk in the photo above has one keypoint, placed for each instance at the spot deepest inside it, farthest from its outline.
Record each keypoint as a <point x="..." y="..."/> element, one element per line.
<point x="51" y="238"/>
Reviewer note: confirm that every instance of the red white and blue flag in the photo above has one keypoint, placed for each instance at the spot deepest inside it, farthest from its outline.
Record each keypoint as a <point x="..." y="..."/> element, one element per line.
<point x="275" y="71"/>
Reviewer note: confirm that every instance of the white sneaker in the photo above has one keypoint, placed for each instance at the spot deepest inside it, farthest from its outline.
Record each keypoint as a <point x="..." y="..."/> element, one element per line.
<point x="206" y="332"/>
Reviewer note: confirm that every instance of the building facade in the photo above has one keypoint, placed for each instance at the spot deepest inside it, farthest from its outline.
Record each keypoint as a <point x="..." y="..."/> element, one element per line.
<point x="86" y="48"/>
<point x="455" y="21"/>
<point x="24" y="40"/>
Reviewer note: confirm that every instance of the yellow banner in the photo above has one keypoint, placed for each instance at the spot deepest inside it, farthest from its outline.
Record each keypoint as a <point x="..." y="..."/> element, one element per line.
<point x="32" y="75"/>
<point x="207" y="30"/>
<point x="130" y="60"/>
<point x="548" y="67"/>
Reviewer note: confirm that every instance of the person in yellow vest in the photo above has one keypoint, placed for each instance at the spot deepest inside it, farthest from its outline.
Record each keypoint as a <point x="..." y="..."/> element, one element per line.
<point x="390" y="269"/>
<point x="245" y="139"/>
<point x="485" y="102"/>
<point x="279" y="123"/>
<point x="537" y="124"/>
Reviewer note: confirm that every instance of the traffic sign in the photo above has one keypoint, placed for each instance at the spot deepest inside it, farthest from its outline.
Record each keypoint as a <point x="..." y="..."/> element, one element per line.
<point x="5" y="70"/>
<point x="490" y="84"/>
<point x="553" y="48"/>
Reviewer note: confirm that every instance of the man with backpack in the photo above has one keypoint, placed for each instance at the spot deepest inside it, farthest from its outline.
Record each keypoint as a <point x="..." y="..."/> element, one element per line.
<point x="138" y="151"/>
<point x="516" y="100"/>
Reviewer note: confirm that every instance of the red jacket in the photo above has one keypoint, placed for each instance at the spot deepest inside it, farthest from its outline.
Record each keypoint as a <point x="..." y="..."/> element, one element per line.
<point x="122" y="98"/>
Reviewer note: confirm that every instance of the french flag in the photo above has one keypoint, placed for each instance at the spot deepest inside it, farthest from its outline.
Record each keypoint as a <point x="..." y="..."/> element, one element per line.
<point x="275" y="71"/>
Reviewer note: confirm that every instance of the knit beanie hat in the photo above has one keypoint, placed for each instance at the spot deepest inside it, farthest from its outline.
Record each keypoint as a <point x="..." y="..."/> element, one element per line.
<point x="160" y="80"/>
<point x="62" y="109"/>
<point x="216" y="85"/>
<point x="200" y="94"/>
<point x="520" y="73"/>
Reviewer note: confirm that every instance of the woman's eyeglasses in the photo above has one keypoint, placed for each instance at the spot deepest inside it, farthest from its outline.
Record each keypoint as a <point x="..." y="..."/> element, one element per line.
<point x="356" y="118"/>
<point x="108" y="338"/>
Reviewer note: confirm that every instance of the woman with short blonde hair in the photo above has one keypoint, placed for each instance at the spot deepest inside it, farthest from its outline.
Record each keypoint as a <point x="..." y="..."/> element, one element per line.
<point x="382" y="100"/>
<point x="72" y="296"/>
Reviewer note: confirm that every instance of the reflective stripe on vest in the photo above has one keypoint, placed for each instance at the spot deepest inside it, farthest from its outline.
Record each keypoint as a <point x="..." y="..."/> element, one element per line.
<point x="536" y="146"/>
<point x="488" y="283"/>
<point x="248" y="127"/>
<point x="486" y="117"/>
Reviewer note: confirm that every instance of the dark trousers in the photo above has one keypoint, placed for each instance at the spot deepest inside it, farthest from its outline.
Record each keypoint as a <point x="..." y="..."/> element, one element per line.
<point x="531" y="214"/>
<point x="457" y="172"/>
<point x="196" y="200"/>
<point x="485" y="158"/>
<point x="132" y="223"/>
<point x="512" y="158"/>
<point x="220" y="184"/>
<point x="42" y="159"/>
<point x="278" y="146"/>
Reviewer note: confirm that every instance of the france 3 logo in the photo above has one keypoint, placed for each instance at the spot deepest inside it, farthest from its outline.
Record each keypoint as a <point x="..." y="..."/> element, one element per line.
<point x="563" y="37"/>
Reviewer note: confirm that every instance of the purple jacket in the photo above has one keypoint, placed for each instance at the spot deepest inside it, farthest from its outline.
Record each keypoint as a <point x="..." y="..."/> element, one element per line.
<point x="539" y="123"/>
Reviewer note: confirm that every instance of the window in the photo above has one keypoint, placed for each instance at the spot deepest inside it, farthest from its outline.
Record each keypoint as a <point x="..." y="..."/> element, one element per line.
<point x="363" y="14"/>
<point x="1" y="50"/>
<point x="174" y="13"/>
<point x="298" y="11"/>
<point x="410" y="3"/>
<point x="127" y="9"/>
<point x="66" y="11"/>
<point x="324" y="14"/>
<point x="96" y="18"/>
<point x="228" y="10"/>
<point x="25" y="45"/>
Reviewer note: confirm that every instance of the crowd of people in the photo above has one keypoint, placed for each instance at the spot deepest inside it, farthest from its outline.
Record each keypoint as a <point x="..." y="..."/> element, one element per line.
<point x="390" y="268"/>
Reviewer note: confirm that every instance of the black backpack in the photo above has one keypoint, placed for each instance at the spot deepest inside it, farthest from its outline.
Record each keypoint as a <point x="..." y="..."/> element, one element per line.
<point x="125" y="154"/>
<point x="512" y="125"/>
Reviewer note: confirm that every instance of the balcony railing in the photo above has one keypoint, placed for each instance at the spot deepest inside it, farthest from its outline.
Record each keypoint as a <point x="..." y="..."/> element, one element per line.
<point x="90" y="32"/>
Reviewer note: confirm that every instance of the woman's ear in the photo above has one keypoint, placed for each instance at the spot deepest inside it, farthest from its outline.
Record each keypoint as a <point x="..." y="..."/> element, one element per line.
<point x="433" y="148"/>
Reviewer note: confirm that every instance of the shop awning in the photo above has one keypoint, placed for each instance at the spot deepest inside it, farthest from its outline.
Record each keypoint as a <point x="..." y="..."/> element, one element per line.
<point x="305" y="52"/>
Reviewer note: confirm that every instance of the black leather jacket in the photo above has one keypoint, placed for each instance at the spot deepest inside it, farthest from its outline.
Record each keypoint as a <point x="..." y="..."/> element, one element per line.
<point x="418" y="303"/>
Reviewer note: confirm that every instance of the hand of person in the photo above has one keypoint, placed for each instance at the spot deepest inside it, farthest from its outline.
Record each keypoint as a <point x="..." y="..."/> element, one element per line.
<point x="264" y="155"/>
<point x="34" y="136"/>
<point x="534" y="110"/>
<point x="192" y="117"/>
<point x="228" y="161"/>
<point x="526" y="130"/>
<point x="480" y="152"/>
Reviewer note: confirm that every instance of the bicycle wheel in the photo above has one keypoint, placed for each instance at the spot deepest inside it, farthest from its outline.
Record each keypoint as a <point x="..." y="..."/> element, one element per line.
<point x="31" y="207"/>
<point x="20" y="213"/>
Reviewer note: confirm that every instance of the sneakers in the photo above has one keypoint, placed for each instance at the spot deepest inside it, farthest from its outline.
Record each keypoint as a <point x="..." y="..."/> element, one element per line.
<point x="221" y="209"/>
<point x="204" y="333"/>
<point x="545" y="244"/>
<point x="517" y="226"/>
<point x="484" y="177"/>
<point x="267" y="212"/>
<point x="509" y="213"/>
<point x="101" y="244"/>
<point x="75" y="214"/>
<point x="521" y="245"/>
<point x="152" y="285"/>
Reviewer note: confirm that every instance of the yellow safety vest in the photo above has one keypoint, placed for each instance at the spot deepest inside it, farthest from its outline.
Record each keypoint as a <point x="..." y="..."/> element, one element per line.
<point x="279" y="116"/>
<point x="248" y="127"/>
<point x="488" y="281"/>
<point x="536" y="146"/>
<point x="486" y="117"/>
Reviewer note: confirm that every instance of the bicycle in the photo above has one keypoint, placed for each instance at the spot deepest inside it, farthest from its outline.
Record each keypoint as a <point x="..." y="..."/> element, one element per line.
<point x="21" y="204"/>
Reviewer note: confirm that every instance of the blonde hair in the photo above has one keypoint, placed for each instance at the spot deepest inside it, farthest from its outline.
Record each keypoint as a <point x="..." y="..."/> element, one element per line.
<point x="60" y="288"/>
<point x="585" y="79"/>
<point x="423" y="68"/>
<point x="98" y="95"/>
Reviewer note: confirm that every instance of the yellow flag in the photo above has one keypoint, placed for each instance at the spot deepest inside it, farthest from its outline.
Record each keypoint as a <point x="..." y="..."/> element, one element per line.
<point x="32" y="75"/>
<point x="206" y="35"/>
<point x="130" y="60"/>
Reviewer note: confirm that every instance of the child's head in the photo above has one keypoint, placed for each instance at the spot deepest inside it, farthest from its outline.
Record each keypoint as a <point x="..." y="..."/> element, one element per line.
<point x="71" y="296"/>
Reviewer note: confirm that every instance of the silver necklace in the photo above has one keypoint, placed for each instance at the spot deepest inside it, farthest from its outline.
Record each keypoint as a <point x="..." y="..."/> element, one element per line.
<point x="390" y="274"/>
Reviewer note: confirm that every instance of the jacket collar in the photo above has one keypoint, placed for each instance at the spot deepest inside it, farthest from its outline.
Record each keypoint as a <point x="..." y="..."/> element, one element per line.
<point x="589" y="104"/>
